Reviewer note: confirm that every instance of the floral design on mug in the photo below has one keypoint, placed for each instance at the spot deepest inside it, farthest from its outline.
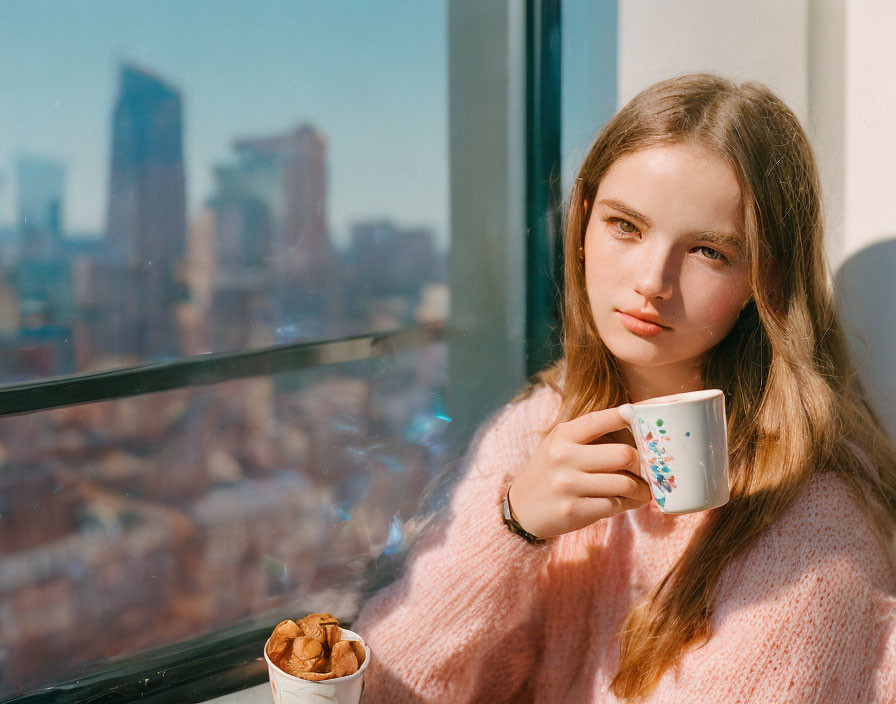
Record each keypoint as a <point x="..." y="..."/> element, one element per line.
<point x="657" y="457"/>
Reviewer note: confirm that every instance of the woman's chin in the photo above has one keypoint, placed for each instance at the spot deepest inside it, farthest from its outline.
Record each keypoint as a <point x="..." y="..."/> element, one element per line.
<point x="639" y="353"/>
<point x="629" y="356"/>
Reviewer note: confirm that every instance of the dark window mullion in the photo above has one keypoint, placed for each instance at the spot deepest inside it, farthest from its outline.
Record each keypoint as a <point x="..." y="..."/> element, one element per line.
<point x="544" y="244"/>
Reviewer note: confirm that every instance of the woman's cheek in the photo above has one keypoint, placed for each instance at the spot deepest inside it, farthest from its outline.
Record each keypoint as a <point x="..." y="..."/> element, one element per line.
<point x="721" y="311"/>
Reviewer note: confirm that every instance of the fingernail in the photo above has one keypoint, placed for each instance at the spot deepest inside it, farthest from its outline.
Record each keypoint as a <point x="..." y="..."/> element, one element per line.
<point x="627" y="413"/>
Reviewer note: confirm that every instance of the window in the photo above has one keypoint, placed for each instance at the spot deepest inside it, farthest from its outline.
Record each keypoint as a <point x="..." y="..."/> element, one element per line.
<point x="230" y="370"/>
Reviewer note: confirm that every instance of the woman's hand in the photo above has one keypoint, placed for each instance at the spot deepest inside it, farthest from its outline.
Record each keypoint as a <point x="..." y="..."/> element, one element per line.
<point x="569" y="484"/>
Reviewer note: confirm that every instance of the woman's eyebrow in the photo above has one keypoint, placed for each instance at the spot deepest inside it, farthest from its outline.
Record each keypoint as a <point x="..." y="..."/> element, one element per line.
<point x="622" y="207"/>
<point x="720" y="238"/>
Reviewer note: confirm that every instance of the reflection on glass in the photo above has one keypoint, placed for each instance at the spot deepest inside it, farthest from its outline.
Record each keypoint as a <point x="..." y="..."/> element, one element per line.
<point x="202" y="203"/>
<point x="134" y="523"/>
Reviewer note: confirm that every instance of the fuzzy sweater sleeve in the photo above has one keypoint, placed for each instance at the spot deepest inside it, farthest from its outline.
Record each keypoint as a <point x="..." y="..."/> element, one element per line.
<point x="808" y="615"/>
<point x="457" y="626"/>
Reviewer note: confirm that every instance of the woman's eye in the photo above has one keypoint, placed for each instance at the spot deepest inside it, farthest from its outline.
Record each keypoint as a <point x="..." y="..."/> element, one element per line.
<point x="623" y="226"/>
<point x="711" y="253"/>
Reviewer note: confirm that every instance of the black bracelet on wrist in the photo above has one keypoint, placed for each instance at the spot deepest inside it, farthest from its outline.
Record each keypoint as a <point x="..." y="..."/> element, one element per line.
<point x="513" y="525"/>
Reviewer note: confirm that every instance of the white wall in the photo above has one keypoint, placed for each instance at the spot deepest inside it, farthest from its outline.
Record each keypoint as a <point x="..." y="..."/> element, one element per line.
<point x="865" y="277"/>
<point x="764" y="40"/>
<point x="870" y="101"/>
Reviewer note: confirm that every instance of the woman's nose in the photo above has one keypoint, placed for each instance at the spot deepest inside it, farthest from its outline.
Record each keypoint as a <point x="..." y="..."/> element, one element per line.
<point x="655" y="275"/>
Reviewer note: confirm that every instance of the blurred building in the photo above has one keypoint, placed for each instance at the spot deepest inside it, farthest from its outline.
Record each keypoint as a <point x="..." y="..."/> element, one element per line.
<point x="36" y="293"/>
<point x="147" y="196"/>
<point x="46" y="285"/>
<point x="244" y="207"/>
<point x="135" y="288"/>
<point x="387" y="268"/>
<point x="271" y="226"/>
<point x="242" y="214"/>
<point x="41" y="183"/>
<point x="10" y="244"/>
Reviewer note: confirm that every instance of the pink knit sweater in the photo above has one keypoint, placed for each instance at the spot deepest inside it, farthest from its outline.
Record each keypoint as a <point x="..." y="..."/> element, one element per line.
<point x="807" y="615"/>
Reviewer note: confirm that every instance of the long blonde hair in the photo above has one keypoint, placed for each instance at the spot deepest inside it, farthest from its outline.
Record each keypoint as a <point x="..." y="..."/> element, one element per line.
<point x="795" y="407"/>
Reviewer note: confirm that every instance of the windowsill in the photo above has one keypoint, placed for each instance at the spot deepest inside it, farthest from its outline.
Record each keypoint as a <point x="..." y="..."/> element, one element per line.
<point x="252" y="695"/>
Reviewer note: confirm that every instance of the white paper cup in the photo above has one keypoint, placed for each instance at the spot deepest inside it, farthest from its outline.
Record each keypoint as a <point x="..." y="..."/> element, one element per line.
<point x="287" y="689"/>
<point x="683" y="443"/>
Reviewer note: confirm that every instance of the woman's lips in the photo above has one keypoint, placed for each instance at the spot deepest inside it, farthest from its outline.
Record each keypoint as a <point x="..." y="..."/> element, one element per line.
<point x="638" y="326"/>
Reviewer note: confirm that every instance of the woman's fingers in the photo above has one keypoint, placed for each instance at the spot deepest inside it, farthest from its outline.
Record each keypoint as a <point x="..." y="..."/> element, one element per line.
<point x="611" y="457"/>
<point x="606" y="507"/>
<point x="586" y="510"/>
<point x="605" y="485"/>
<point x="586" y="428"/>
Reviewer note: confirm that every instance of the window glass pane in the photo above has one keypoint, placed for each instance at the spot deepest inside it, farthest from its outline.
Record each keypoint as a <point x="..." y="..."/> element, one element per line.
<point x="178" y="178"/>
<point x="588" y="84"/>
<point x="129" y="524"/>
<point x="183" y="178"/>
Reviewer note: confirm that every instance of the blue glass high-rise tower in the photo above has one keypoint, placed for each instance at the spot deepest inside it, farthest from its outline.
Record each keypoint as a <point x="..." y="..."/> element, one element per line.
<point x="135" y="289"/>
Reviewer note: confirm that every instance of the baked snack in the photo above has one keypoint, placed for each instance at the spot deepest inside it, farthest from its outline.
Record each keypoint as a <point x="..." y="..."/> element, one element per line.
<point x="313" y="649"/>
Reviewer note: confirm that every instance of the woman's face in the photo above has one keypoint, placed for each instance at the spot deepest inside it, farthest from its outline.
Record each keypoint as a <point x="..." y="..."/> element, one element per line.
<point x="664" y="267"/>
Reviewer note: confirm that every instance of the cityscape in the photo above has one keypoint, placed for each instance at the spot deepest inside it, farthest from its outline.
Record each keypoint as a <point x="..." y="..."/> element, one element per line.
<point x="134" y="523"/>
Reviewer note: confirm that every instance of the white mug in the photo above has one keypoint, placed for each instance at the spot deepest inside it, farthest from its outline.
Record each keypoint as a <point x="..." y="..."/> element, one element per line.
<point x="683" y="443"/>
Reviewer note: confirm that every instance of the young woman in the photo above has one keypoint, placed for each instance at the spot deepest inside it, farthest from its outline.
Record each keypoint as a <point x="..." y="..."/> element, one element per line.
<point x="693" y="260"/>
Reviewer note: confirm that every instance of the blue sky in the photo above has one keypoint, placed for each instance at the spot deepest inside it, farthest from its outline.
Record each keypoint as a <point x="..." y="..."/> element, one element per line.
<point x="372" y="75"/>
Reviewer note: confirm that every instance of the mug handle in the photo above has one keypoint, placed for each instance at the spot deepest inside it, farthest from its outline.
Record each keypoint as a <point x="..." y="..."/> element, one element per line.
<point x="628" y="415"/>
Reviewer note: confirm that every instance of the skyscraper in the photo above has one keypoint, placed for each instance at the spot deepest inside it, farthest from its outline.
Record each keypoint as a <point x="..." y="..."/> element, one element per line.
<point x="136" y="287"/>
<point x="147" y="194"/>
<point x="280" y="184"/>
